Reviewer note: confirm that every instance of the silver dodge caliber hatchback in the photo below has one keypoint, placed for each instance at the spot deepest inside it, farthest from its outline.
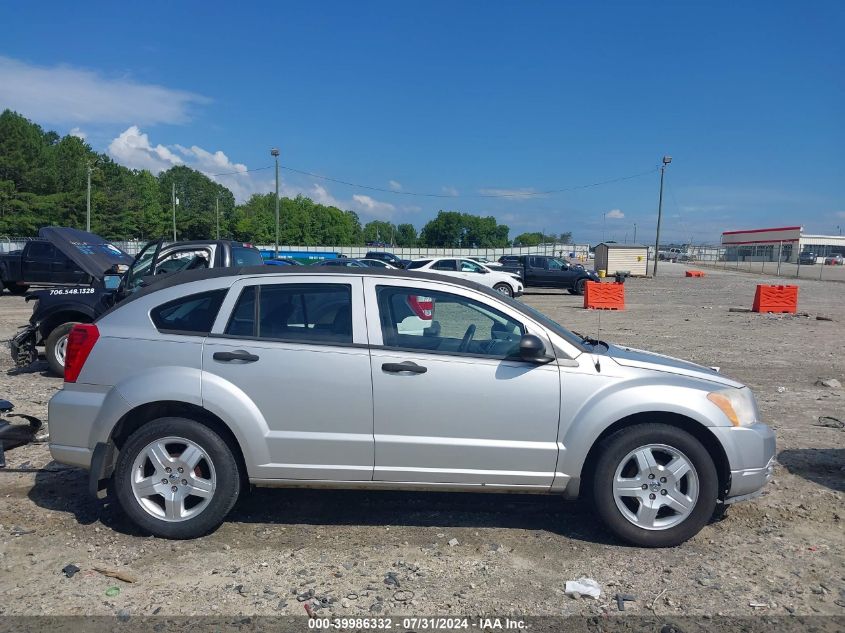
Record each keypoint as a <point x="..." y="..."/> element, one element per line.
<point x="370" y="378"/>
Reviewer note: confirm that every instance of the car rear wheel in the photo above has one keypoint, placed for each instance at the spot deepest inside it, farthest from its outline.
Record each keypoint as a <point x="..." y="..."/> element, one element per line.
<point x="504" y="289"/>
<point x="56" y="347"/>
<point x="654" y="485"/>
<point x="176" y="478"/>
<point x="579" y="286"/>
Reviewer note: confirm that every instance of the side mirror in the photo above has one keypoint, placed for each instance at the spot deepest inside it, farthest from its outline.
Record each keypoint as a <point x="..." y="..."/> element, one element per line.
<point x="111" y="282"/>
<point x="531" y="348"/>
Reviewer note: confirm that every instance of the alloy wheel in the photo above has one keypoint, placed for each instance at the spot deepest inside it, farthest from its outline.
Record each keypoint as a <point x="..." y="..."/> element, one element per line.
<point x="173" y="479"/>
<point x="655" y="487"/>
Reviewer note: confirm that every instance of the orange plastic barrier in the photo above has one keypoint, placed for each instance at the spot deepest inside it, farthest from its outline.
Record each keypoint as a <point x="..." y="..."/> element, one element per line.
<point x="776" y="299"/>
<point x="599" y="296"/>
<point x="695" y="273"/>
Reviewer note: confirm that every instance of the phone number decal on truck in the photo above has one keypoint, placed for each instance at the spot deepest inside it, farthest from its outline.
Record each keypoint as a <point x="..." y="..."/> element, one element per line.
<point x="72" y="291"/>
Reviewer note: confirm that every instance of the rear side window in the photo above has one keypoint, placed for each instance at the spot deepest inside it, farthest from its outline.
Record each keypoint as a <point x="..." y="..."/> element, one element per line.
<point x="445" y="264"/>
<point x="243" y="256"/>
<point x="306" y="313"/>
<point x="193" y="314"/>
<point x="419" y="264"/>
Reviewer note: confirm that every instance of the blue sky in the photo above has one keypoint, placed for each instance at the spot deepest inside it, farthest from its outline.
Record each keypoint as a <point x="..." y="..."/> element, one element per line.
<point x="463" y="100"/>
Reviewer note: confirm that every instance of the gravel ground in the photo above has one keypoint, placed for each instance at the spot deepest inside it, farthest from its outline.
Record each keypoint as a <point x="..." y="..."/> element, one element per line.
<point x="378" y="553"/>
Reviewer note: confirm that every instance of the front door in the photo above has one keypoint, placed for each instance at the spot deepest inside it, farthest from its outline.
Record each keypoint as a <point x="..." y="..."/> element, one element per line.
<point x="297" y="349"/>
<point x="451" y="402"/>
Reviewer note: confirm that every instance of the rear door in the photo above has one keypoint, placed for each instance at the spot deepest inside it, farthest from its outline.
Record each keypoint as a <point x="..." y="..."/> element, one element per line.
<point x="297" y="348"/>
<point x="38" y="260"/>
<point x="536" y="272"/>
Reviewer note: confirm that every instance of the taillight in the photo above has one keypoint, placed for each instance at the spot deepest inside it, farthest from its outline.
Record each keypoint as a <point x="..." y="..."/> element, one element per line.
<point x="80" y="342"/>
<point x="423" y="307"/>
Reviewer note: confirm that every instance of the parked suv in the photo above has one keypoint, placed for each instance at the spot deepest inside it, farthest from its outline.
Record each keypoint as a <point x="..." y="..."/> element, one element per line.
<point x="210" y="379"/>
<point x="542" y="271"/>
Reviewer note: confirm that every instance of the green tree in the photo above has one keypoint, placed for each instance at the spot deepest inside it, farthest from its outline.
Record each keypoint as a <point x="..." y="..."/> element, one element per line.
<point x="406" y="235"/>
<point x="379" y="231"/>
<point x="452" y="229"/>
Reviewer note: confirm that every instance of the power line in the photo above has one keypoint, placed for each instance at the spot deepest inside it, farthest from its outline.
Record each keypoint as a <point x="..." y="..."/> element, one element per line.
<point x="520" y="194"/>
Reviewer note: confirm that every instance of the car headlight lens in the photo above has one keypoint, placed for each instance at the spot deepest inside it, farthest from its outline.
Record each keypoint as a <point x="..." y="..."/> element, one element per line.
<point x="738" y="405"/>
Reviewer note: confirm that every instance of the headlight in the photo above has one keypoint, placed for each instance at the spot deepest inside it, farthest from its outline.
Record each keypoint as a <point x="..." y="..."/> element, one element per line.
<point x="738" y="405"/>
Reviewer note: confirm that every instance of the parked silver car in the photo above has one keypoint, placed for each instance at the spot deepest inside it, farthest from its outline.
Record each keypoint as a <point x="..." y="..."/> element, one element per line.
<point x="390" y="379"/>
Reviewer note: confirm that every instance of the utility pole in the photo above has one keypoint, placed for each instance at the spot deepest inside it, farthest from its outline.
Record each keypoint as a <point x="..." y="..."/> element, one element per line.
<point x="666" y="161"/>
<point x="603" y="222"/>
<point x="275" y="154"/>
<point x="173" y="203"/>
<point x="88" y="205"/>
<point x="635" y="232"/>
<point x="217" y="215"/>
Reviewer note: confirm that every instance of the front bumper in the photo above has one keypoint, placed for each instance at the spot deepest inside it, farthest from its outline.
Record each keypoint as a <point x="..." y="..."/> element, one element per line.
<point x="751" y="455"/>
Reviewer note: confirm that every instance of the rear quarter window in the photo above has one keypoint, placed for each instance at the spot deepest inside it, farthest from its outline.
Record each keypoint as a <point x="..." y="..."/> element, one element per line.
<point x="243" y="256"/>
<point x="194" y="314"/>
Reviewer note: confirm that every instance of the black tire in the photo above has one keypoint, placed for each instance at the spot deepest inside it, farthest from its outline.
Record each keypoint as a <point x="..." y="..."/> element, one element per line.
<point x="572" y="291"/>
<point x="228" y="478"/>
<point x="613" y="450"/>
<point x="15" y="289"/>
<point x="580" y="285"/>
<point x="53" y="348"/>
<point x="504" y="289"/>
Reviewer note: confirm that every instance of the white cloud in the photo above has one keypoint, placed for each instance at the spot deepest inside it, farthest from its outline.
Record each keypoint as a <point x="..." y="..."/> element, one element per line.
<point x="395" y="185"/>
<point x="64" y="94"/>
<point x="78" y="133"/>
<point x="514" y="194"/>
<point x="840" y="214"/>
<point x="615" y="214"/>
<point x="450" y="191"/>
<point x="372" y="206"/>
<point x="134" y="150"/>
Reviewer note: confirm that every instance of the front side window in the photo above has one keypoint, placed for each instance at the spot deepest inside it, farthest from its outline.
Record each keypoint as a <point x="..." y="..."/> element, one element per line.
<point x="556" y="264"/>
<point x="306" y="313"/>
<point x="193" y="314"/>
<point x="454" y="324"/>
<point x="468" y="266"/>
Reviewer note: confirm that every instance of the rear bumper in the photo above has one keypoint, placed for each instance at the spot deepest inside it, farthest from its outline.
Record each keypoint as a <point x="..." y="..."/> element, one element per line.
<point x="72" y="413"/>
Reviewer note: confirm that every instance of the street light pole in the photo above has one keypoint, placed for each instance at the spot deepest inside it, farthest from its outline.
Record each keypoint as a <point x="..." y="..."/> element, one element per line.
<point x="666" y="161"/>
<point x="217" y="215"/>
<point x="88" y="205"/>
<point x="275" y="154"/>
<point x="173" y="203"/>
<point x="635" y="232"/>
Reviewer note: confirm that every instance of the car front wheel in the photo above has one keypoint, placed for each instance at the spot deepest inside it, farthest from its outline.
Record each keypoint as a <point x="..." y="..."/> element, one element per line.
<point x="504" y="289"/>
<point x="176" y="478"/>
<point x="579" y="286"/>
<point x="654" y="485"/>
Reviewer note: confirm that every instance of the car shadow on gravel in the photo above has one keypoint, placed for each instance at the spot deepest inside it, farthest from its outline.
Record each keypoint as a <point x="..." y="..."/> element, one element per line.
<point x="65" y="490"/>
<point x="824" y="466"/>
<point x="421" y="509"/>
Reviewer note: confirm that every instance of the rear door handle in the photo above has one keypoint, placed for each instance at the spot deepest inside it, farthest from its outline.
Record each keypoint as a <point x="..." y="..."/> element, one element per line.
<point x="239" y="355"/>
<point x="407" y="366"/>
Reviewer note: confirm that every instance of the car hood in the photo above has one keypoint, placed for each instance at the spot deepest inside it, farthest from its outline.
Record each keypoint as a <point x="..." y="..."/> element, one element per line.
<point x="92" y="253"/>
<point x="630" y="357"/>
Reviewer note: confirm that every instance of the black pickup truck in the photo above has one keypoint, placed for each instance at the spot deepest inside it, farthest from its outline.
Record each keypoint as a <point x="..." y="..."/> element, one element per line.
<point x="57" y="310"/>
<point x="39" y="263"/>
<point x="542" y="271"/>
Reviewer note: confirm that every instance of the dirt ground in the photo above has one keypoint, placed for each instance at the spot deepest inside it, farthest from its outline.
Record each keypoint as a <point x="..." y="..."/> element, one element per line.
<point x="379" y="553"/>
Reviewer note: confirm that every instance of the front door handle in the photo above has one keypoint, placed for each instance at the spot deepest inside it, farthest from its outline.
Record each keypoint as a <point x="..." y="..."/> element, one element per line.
<point x="239" y="354"/>
<point x="407" y="366"/>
